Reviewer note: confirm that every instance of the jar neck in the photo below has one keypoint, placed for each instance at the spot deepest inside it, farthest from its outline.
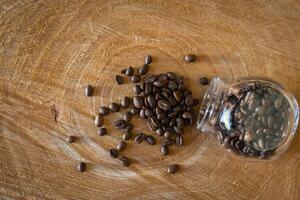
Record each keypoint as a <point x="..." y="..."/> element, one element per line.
<point x="211" y="105"/>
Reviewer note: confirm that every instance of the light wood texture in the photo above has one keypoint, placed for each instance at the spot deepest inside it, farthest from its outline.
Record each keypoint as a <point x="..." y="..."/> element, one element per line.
<point x="50" y="49"/>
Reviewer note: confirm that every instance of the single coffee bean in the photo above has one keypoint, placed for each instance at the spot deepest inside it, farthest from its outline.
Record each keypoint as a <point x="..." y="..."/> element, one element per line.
<point x="138" y="101"/>
<point x="178" y="131"/>
<point x="146" y="103"/>
<point x="203" y="81"/>
<point x="99" y="120"/>
<point x="172" y="114"/>
<point x="128" y="127"/>
<point x="151" y="126"/>
<point x="129" y="71"/>
<point x="144" y="69"/>
<point x="165" y="120"/>
<point x="127" y="136"/>
<point x="271" y="121"/>
<point x="189" y="58"/>
<point x="160" y="83"/>
<point x="172" y="169"/>
<point x="189" y="109"/>
<point x="179" y="122"/>
<point x="165" y="95"/>
<point x="120" y="123"/>
<point x="150" y="78"/>
<point x="187" y="92"/>
<point x="139" y="138"/>
<point x="125" y="161"/>
<point x="125" y="102"/>
<point x="278" y="102"/>
<point x="114" y="107"/>
<point x="158" y="97"/>
<point x="168" y="134"/>
<point x="148" y="113"/>
<point x="113" y="153"/>
<point x="188" y="100"/>
<point x="164" y="150"/>
<point x="88" y="90"/>
<point x="177" y="95"/>
<point x="172" y="122"/>
<point x="127" y="116"/>
<point x="137" y="89"/>
<point x="179" y="140"/>
<point x="81" y="166"/>
<point x="171" y="75"/>
<point x="148" y="59"/>
<point x="155" y="89"/>
<point x="155" y="122"/>
<point x="160" y="132"/>
<point x="177" y="108"/>
<point x="164" y="105"/>
<point x="70" y="139"/>
<point x="143" y="114"/>
<point x="188" y="115"/>
<point x="168" y="142"/>
<point x="119" y="80"/>
<point x="148" y="88"/>
<point x="172" y="101"/>
<point x="135" y="111"/>
<point x="150" y="140"/>
<point x="104" y="110"/>
<point x="167" y="90"/>
<point x="151" y="100"/>
<point x="172" y="85"/>
<point x="135" y="78"/>
<point x="102" y="131"/>
<point x="121" y="146"/>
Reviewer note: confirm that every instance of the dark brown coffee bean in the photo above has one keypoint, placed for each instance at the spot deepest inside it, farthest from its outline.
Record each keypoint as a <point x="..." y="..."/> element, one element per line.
<point x="135" y="78"/>
<point x="164" y="105"/>
<point x="165" y="121"/>
<point x="160" y="132"/>
<point x="178" y="131"/>
<point x="128" y="127"/>
<point x="155" y="89"/>
<point x="139" y="138"/>
<point x="172" y="169"/>
<point x="123" y="71"/>
<point x="164" y="150"/>
<point x="148" y="88"/>
<point x="158" y="110"/>
<point x="88" y="90"/>
<point x="121" y="146"/>
<point x="168" y="142"/>
<point x="158" y="97"/>
<point x="203" y="81"/>
<point x="104" y="110"/>
<point x="187" y="92"/>
<point x="177" y="108"/>
<point x="143" y="114"/>
<point x="189" y="58"/>
<point x="70" y="139"/>
<point x="138" y="101"/>
<point x="146" y="103"/>
<point x="113" y="153"/>
<point x="196" y="102"/>
<point x="119" y="79"/>
<point x="148" y="59"/>
<point x="125" y="102"/>
<point x="165" y="95"/>
<point x="151" y="100"/>
<point x="144" y="69"/>
<point x="189" y="109"/>
<point x="150" y="78"/>
<point x="129" y="71"/>
<point x="188" y="115"/>
<point x="81" y="166"/>
<point x="172" y="114"/>
<point x="172" y="85"/>
<point x="239" y="145"/>
<point x="188" y="100"/>
<point x="137" y="89"/>
<point x="127" y="116"/>
<point x="180" y="80"/>
<point x="99" y="120"/>
<point x="171" y="75"/>
<point x="180" y="122"/>
<point x="167" y="90"/>
<point x="135" y="111"/>
<point x="150" y="140"/>
<point x="120" y="123"/>
<point x="172" y="101"/>
<point x="127" y="136"/>
<point x="161" y="116"/>
<point x="166" y="128"/>
<point x="155" y="122"/>
<point x="151" y="126"/>
<point x="179" y="140"/>
<point x="168" y="134"/>
<point x="148" y="113"/>
<point x="102" y="131"/>
<point x="114" y="107"/>
<point x="177" y="95"/>
<point x="161" y="83"/>
<point x="172" y="122"/>
<point x="125" y="161"/>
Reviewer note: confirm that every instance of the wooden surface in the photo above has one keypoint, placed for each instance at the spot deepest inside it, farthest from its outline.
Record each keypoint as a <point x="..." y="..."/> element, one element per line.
<point x="50" y="49"/>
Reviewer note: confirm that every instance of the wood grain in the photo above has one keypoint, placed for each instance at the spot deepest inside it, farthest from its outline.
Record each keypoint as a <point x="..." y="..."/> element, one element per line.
<point x="50" y="49"/>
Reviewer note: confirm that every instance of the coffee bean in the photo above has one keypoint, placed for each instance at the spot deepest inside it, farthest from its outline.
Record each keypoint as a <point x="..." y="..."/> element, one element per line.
<point x="172" y="101"/>
<point x="127" y="136"/>
<point x="150" y="140"/>
<point x="271" y="121"/>
<point x="104" y="110"/>
<point x="178" y="131"/>
<point x="144" y="69"/>
<point x="172" y="169"/>
<point x="165" y="121"/>
<point x="125" y="102"/>
<point x="70" y="139"/>
<point x="260" y="110"/>
<point x="159" y="132"/>
<point x="165" y="95"/>
<point x="158" y="97"/>
<point x="172" y="122"/>
<point x="164" y="150"/>
<point x="177" y="95"/>
<point x="137" y="89"/>
<point x="135" y="78"/>
<point x="203" y="81"/>
<point x="168" y="142"/>
<point x="135" y="111"/>
<point x="177" y="108"/>
<point x="127" y="116"/>
<point x="189" y="109"/>
<point x="88" y="90"/>
<point x="102" y="131"/>
<point x="125" y="161"/>
<point x="150" y="78"/>
<point x="148" y="88"/>
<point x="138" y="101"/>
<point x="113" y="153"/>
<point x="151" y="100"/>
<point x="171" y="75"/>
<point x="155" y="122"/>
<point x="120" y="123"/>
<point x="121" y="146"/>
<point x="128" y="127"/>
<point x="148" y="113"/>
<point x="168" y="134"/>
<point x="179" y="140"/>
<point x="187" y="92"/>
<point x="188" y="100"/>
<point x="143" y="114"/>
<point x="188" y="115"/>
<point x="172" y="85"/>
<point x="160" y="83"/>
<point x="114" y="107"/>
<point x="119" y="80"/>
<point x="148" y="59"/>
<point x="99" y="120"/>
<point x="81" y="166"/>
<point x="151" y="126"/>
<point x="189" y="58"/>
<point x="139" y="138"/>
<point x="180" y="122"/>
<point x="129" y="71"/>
<point x="164" y="105"/>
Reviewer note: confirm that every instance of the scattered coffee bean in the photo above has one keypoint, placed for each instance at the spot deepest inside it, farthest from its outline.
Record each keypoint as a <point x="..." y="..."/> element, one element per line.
<point x="114" y="107"/>
<point x="127" y="136"/>
<point x="125" y="161"/>
<point x="160" y="132"/>
<point x="135" y="111"/>
<point x="150" y="140"/>
<point x="188" y="115"/>
<point x="127" y="116"/>
<point x="125" y="102"/>
<point x="168" y="134"/>
<point x="203" y="81"/>
<point x="121" y="146"/>
<point x="119" y="80"/>
<point x="135" y="78"/>
<point x="104" y="110"/>
<point x="172" y="169"/>
<point x="144" y="69"/>
<point x="102" y="131"/>
<point x="70" y="139"/>
<point x="190" y="58"/>
<point x="113" y="153"/>
<point x="179" y="140"/>
<point x="88" y="90"/>
<point x="138" y="102"/>
<point x="148" y="59"/>
<point x="139" y="138"/>
<point x="137" y="89"/>
<point x="164" y="150"/>
<point x="99" y="120"/>
<point x="81" y="166"/>
<point x="129" y="71"/>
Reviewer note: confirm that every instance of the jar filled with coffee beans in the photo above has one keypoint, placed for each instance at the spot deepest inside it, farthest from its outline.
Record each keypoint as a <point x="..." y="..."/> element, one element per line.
<point x="252" y="117"/>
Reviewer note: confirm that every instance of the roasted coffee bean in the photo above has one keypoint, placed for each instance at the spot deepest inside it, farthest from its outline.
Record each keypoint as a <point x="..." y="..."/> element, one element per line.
<point x="104" y="110"/>
<point x="162" y="77"/>
<point x="125" y="102"/>
<point x="171" y="75"/>
<point x="138" y="101"/>
<point x="127" y="116"/>
<point x="148" y="59"/>
<point x="158" y="97"/>
<point x="70" y="139"/>
<point x="178" y="131"/>
<point x="239" y="145"/>
<point x="99" y="120"/>
<point x="160" y="132"/>
<point x="155" y="122"/>
<point x="160" y="83"/>
<point x="177" y="108"/>
<point x="168" y="134"/>
<point x="81" y="166"/>
<point x="165" y="95"/>
<point x="113" y="153"/>
<point x="135" y="78"/>
<point x="172" y="101"/>
<point x="150" y="78"/>
<point x="139" y="138"/>
<point x="203" y="81"/>
<point x="164" y="105"/>
<point x="181" y="88"/>
<point x="102" y="131"/>
<point x="164" y="150"/>
<point x="125" y="161"/>
<point x="120" y="123"/>
<point x="172" y="114"/>
<point x="114" y="107"/>
<point x="180" y="80"/>
<point x="129" y="71"/>
<point x="151" y="126"/>
<point x="188" y="115"/>
<point x="146" y="103"/>
<point x="155" y="89"/>
<point x="128" y="127"/>
<point x="161" y="116"/>
<point x="148" y="113"/>
<point x="189" y="58"/>
<point x="137" y="89"/>
<point x="148" y="88"/>
<point x="165" y="121"/>
<point x="144" y="69"/>
<point x="151" y="100"/>
<point x="166" y="128"/>
<point x="179" y="122"/>
<point x="121" y="146"/>
<point x="179" y="140"/>
<point x="172" y="85"/>
<point x="189" y="109"/>
<point x="188" y="100"/>
<point x="143" y="114"/>
<point x="119" y="79"/>
<point x="187" y="92"/>
<point x="127" y="136"/>
<point x="150" y="140"/>
<point x="172" y="169"/>
<point x="172" y="122"/>
<point x="177" y="95"/>
<point x="271" y="121"/>
<point x="168" y="142"/>
<point x="88" y="90"/>
<point x="135" y="111"/>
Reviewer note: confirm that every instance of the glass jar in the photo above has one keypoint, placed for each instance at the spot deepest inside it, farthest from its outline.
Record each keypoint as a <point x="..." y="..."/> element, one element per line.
<point x="251" y="117"/>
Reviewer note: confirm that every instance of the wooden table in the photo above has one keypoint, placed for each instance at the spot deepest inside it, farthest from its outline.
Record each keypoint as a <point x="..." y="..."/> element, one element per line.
<point x="50" y="49"/>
